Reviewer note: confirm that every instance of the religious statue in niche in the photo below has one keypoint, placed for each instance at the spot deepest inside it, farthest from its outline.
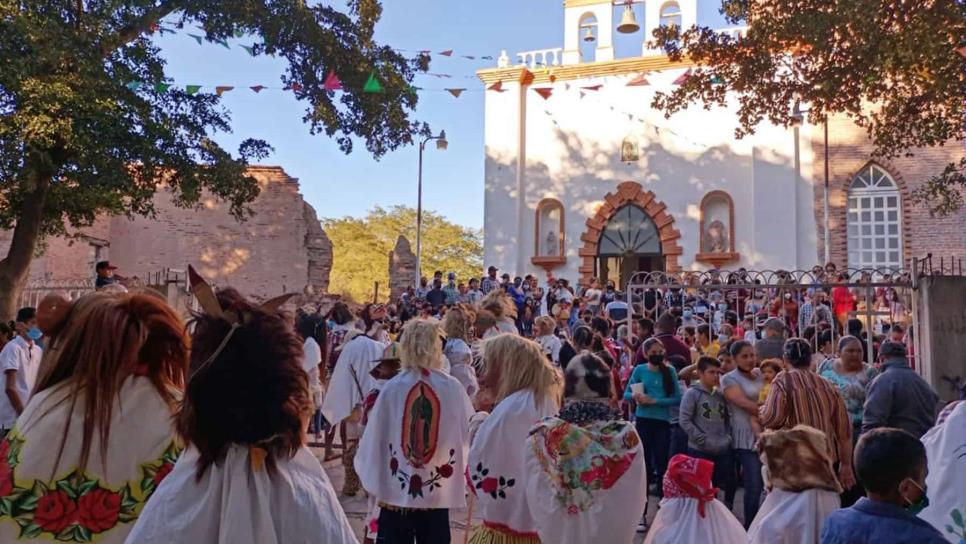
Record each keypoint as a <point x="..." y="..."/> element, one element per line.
<point x="551" y="245"/>
<point x="629" y="150"/>
<point x="716" y="238"/>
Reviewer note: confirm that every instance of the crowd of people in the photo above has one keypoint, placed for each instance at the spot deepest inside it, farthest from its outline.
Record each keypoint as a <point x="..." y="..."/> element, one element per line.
<point x="540" y="410"/>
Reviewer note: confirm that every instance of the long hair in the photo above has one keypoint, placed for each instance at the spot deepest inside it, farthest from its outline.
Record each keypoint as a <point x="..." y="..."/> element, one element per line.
<point x="667" y="379"/>
<point x="105" y="339"/>
<point x="420" y="347"/>
<point x="499" y="304"/>
<point x="247" y="388"/>
<point x="457" y="323"/>
<point x="519" y="364"/>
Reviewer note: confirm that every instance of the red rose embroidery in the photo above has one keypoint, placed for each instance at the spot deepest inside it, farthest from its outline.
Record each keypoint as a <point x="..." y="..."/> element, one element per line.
<point x="4" y="450"/>
<point x="55" y="511"/>
<point x="445" y="471"/>
<point x="6" y="478"/>
<point x="489" y="485"/>
<point x="393" y="466"/>
<point x="163" y="471"/>
<point x="98" y="510"/>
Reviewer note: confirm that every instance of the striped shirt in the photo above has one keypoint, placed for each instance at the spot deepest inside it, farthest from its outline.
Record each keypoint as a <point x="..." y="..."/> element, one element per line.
<point x="802" y="397"/>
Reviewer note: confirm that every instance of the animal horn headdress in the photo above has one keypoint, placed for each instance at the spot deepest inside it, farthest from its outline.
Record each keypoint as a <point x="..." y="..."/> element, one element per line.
<point x="210" y="306"/>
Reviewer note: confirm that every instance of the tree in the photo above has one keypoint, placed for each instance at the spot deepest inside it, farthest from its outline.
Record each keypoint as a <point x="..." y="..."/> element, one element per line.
<point x="895" y="67"/>
<point x="88" y="125"/>
<point x="360" y="255"/>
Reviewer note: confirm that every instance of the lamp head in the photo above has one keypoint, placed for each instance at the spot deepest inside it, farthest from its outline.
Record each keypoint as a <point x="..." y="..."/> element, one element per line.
<point x="798" y="116"/>
<point x="442" y="143"/>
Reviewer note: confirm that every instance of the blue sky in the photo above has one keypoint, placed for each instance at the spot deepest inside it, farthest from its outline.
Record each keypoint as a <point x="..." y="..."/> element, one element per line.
<point x="337" y="184"/>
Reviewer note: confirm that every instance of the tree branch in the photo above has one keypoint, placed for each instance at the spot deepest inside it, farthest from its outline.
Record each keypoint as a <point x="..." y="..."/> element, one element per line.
<point x="139" y="26"/>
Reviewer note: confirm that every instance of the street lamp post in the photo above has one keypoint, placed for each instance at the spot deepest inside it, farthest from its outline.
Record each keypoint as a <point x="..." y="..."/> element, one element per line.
<point x="798" y="117"/>
<point x="441" y="144"/>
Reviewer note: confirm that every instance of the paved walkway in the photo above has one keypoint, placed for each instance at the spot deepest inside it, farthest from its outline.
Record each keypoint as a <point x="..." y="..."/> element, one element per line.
<point x="356" y="508"/>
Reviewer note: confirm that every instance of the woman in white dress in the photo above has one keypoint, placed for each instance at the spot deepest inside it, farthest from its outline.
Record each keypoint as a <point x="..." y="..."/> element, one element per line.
<point x="528" y="389"/>
<point x="245" y="476"/>
<point x="412" y="455"/>
<point x="309" y="328"/>
<point x="457" y="324"/>
<point x="585" y="477"/>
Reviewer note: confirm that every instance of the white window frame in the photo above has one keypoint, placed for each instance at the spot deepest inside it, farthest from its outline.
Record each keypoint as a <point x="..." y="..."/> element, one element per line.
<point x="874" y="221"/>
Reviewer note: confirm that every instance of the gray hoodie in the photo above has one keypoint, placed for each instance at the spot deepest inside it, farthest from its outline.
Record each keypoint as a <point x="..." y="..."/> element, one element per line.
<point x="704" y="417"/>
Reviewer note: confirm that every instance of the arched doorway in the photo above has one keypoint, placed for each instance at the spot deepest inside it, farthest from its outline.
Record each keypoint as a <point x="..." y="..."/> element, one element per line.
<point x="629" y="243"/>
<point x="661" y="254"/>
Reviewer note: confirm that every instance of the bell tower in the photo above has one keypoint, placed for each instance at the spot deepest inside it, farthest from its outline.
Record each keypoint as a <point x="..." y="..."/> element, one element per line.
<point x="585" y="19"/>
<point x="683" y="13"/>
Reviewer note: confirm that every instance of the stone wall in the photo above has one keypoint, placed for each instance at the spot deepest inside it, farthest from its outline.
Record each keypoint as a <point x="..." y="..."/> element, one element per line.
<point x="849" y="151"/>
<point x="281" y="248"/>
<point x="402" y="268"/>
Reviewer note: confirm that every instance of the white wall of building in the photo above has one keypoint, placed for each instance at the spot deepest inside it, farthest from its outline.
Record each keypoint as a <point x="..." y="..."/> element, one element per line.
<point x="570" y="147"/>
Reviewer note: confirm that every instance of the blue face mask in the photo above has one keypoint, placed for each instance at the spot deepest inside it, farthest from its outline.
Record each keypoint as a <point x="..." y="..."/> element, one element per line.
<point x="34" y="333"/>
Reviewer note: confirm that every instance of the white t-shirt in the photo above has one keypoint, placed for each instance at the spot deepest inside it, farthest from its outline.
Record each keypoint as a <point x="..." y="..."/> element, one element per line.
<point x="551" y="347"/>
<point x="24" y="357"/>
<point x="311" y="359"/>
<point x="593" y="296"/>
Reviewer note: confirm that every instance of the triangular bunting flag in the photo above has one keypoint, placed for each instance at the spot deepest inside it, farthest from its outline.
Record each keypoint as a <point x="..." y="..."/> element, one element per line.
<point x="192" y="89"/>
<point x="683" y="77"/>
<point x="197" y="38"/>
<point x="239" y="33"/>
<point x="593" y="88"/>
<point x="498" y="87"/>
<point x="372" y="85"/>
<point x="332" y="82"/>
<point x="249" y="48"/>
<point x="544" y="92"/>
<point x="223" y="89"/>
<point x="162" y="87"/>
<point x="154" y="27"/>
<point x="257" y="88"/>
<point x="471" y="57"/>
<point x="414" y="89"/>
<point x="447" y="53"/>
<point x="716" y="80"/>
<point x="639" y="81"/>
<point x="488" y="57"/>
<point x="223" y="43"/>
<point x="456" y="92"/>
<point x="293" y="87"/>
<point x="133" y="85"/>
<point x="582" y="94"/>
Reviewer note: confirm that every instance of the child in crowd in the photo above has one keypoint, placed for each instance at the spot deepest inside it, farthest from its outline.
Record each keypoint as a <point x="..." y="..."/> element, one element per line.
<point x="769" y="369"/>
<point x="896" y="493"/>
<point x="704" y="417"/>
<point x="549" y="342"/>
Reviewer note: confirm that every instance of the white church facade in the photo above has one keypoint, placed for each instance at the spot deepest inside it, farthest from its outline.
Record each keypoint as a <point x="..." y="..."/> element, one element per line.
<point x="584" y="179"/>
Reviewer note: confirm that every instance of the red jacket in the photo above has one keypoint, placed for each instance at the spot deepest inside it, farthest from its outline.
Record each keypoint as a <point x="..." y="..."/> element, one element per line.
<point x="842" y="300"/>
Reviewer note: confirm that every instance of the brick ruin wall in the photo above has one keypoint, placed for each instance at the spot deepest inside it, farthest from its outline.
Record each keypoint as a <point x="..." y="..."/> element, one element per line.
<point x="281" y="248"/>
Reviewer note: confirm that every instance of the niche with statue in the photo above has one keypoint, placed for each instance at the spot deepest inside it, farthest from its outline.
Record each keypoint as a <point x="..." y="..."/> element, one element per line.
<point x="717" y="234"/>
<point x="549" y="251"/>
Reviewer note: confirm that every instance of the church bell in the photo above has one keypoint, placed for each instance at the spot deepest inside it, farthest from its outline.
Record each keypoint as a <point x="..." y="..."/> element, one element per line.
<point x="628" y="21"/>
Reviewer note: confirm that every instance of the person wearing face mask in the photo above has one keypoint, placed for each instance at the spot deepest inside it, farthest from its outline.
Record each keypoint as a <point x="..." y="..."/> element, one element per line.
<point x="20" y="361"/>
<point x="896" y="493"/>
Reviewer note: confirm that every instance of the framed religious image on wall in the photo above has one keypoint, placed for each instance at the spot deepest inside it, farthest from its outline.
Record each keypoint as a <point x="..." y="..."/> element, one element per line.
<point x="716" y="236"/>
<point x="630" y="149"/>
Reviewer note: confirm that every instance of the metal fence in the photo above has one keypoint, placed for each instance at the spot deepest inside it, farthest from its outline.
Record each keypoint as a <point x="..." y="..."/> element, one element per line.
<point x="731" y="291"/>
<point x="34" y="292"/>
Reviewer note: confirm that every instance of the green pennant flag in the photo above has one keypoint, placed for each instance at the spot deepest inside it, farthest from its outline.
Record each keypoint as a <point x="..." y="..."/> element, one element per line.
<point x="192" y="89"/>
<point x="223" y="43"/>
<point x="162" y="87"/>
<point x="716" y="80"/>
<point x="249" y="48"/>
<point x="197" y="38"/>
<point x="414" y="89"/>
<point x="133" y="85"/>
<point x="239" y="33"/>
<point x="373" y="85"/>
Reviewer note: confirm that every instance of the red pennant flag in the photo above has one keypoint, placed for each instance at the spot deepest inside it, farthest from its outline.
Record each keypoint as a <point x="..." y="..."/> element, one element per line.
<point x="593" y="88"/>
<point x="498" y="87"/>
<point x="447" y="53"/>
<point x="683" y="77"/>
<point x="544" y="92"/>
<point x="639" y="81"/>
<point x="155" y="27"/>
<point x="456" y="92"/>
<point x="332" y="82"/>
<point x="257" y="88"/>
<point x="222" y="90"/>
<point x="293" y="87"/>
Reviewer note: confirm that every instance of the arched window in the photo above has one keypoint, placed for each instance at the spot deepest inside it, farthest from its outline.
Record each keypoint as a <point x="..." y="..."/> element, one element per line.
<point x="874" y="220"/>
<point x="671" y="14"/>
<point x="588" y="37"/>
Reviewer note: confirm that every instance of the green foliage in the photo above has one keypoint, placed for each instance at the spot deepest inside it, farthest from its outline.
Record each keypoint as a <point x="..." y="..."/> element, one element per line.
<point x="361" y="249"/>
<point x="890" y="65"/>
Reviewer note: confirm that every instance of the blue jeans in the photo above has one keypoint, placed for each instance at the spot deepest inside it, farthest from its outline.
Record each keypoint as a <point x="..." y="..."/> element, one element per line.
<point x="751" y="480"/>
<point x="656" y="438"/>
<point x="679" y="440"/>
<point x="724" y="467"/>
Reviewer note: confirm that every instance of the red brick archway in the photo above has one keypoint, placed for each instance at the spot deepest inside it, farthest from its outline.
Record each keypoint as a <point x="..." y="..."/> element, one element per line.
<point x="629" y="192"/>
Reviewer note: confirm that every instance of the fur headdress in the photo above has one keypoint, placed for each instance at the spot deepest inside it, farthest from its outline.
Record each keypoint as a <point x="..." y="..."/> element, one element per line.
<point x="796" y="460"/>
